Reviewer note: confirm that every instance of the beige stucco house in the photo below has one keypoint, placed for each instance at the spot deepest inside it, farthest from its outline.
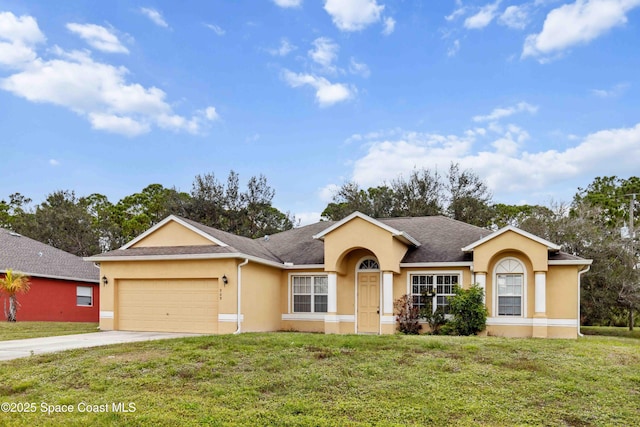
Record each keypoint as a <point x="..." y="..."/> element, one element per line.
<point x="335" y="277"/>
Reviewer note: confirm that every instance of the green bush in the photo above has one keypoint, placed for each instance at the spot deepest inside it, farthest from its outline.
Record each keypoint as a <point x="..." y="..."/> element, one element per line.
<point x="468" y="310"/>
<point x="436" y="319"/>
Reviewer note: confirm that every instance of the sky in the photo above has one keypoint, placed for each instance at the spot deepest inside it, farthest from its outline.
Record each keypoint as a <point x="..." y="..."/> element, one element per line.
<point x="536" y="97"/>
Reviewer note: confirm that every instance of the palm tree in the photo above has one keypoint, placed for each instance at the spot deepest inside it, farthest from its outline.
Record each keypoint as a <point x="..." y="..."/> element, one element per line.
<point x="12" y="284"/>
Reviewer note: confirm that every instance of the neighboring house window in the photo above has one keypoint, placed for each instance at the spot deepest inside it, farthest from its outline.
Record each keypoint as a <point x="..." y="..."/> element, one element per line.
<point x="510" y="280"/>
<point x="310" y="294"/>
<point x="84" y="296"/>
<point x="439" y="285"/>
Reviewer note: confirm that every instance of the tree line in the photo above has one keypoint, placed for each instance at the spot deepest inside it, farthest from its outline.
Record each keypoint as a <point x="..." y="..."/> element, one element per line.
<point x="89" y="225"/>
<point x="592" y="225"/>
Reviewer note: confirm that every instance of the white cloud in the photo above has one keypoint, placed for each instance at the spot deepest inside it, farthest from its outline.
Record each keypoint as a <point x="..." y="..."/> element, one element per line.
<point x="353" y="15"/>
<point x="18" y="38"/>
<point x="155" y="16"/>
<point x="325" y="52"/>
<point x="516" y="17"/>
<point x="615" y="91"/>
<point x="98" y="37"/>
<point x="460" y="10"/>
<point x="454" y="49"/>
<point x="327" y="93"/>
<point x="23" y="29"/>
<point x="210" y="114"/>
<point x="16" y="55"/>
<point x="118" y="124"/>
<point x="95" y="90"/>
<point x="284" y="49"/>
<point x="192" y="125"/>
<point x="307" y="218"/>
<point x="288" y="3"/>
<point x="216" y="29"/>
<point x="576" y="23"/>
<point x="54" y="162"/>
<point x="395" y="157"/>
<point x="359" y="68"/>
<point x="499" y="113"/>
<point x="508" y="170"/>
<point x="389" y="25"/>
<point x="326" y="193"/>
<point x="483" y="17"/>
<point x="509" y="143"/>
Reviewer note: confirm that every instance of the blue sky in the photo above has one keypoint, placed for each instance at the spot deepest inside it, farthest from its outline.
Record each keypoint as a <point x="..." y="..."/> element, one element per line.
<point x="537" y="97"/>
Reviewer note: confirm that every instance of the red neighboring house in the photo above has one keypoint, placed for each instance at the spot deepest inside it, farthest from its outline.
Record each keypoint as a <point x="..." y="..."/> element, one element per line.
<point x="64" y="287"/>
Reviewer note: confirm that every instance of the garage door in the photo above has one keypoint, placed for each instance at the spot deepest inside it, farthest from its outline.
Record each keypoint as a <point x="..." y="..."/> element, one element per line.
<point x="168" y="305"/>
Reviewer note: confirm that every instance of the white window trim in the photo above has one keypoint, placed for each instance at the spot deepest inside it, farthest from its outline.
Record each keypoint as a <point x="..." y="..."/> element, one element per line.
<point x="84" y="305"/>
<point x="290" y="291"/>
<point x="432" y="273"/>
<point x="494" y="289"/>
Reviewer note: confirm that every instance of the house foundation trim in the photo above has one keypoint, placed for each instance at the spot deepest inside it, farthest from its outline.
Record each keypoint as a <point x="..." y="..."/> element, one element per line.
<point x="388" y="320"/>
<point x="232" y="317"/>
<point x="504" y="321"/>
<point x="320" y="317"/>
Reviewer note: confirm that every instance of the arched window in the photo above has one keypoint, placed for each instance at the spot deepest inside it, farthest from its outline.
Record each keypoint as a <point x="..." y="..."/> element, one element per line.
<point x="369" y="264"/>
<point x="509" y="285"/>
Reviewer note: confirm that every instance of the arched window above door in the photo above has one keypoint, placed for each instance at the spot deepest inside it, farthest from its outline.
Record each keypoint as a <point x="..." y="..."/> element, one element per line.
<point x="369" y="264"/>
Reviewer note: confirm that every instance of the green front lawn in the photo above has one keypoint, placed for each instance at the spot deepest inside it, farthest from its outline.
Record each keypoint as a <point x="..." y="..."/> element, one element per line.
<point x="21" y="330"/>
<point x="314" y="379"/>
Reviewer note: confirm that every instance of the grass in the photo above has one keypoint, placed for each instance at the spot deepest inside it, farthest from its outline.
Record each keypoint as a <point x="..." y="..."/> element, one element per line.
<point x="318" y="380"/>
<point x="611" y="331"/>
<point x="21" y="330"/>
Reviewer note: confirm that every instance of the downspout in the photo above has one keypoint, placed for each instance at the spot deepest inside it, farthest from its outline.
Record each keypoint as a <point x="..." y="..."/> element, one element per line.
<point x="239" y="287"/>
<point x="580" y="273"/>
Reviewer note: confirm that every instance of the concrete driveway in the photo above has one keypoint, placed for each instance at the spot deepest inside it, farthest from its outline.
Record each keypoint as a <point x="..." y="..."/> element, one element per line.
<point x="31" y="346"/>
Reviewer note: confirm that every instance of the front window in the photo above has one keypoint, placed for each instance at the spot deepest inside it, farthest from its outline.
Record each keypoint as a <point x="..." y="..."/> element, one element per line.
<point x="433" y="290"/>
<point x="310" y="294"/>
<point x="509" y="294"/>
<point x="510" y="287"/>
<point x="84" y="296"/>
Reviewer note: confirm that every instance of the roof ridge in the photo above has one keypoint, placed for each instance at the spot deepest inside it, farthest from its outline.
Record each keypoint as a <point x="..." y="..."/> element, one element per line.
<point x="465" y="223"/>
<point x="205" y="229"/>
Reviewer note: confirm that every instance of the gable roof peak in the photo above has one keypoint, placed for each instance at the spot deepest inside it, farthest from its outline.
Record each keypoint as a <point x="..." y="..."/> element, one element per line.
<point x="180" y="221"/>
<point x="399" y="234"/>
<point x="550" y="245"/>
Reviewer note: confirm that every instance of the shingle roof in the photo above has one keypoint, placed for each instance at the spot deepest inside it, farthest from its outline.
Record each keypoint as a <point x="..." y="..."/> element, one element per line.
<point x="34" y="258"/>
<point x="441" y="238"/>
<point x="298" y="245"/>
<point x="236" y="243"/>
<point x="441" y="241"/>
<point x="563" y="256"/>
<point x="168" y="250"/>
